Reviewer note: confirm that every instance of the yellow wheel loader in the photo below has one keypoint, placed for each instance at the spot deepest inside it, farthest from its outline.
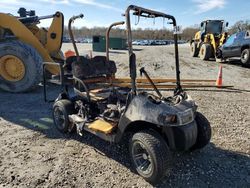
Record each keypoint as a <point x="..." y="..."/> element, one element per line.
<point x="212" y="34"/>
<point x="24" y="47"/>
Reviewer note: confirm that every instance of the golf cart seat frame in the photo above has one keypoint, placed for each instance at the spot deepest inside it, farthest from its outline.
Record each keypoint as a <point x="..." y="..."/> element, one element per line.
<point x="90" y="76"/>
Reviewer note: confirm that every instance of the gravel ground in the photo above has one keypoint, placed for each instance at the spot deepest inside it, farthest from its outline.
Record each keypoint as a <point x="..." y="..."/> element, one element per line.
<point x="34" y="154"/>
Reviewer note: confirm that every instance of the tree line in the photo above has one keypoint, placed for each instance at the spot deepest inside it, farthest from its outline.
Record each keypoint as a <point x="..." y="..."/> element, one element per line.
<point x="154" y="34"/>
<point x="239" y="25"/>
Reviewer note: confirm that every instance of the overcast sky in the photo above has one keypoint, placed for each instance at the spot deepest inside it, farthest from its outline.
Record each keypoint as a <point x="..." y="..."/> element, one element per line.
<point x="103" y="13"/>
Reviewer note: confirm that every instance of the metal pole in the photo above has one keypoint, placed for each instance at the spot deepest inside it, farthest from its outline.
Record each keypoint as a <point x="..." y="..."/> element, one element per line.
<point x="177" y="64"/>
<point x="142" y="70"/>
<point x="72" y="19"/>
<point x="107" y="37"/>
<point x="130" y="49"/>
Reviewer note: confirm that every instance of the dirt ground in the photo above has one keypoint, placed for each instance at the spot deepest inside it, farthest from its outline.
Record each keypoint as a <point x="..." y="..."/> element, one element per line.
<point x="34" y="154"/>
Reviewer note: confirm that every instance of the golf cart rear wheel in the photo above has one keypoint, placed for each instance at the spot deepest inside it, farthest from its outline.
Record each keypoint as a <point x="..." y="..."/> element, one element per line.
<point x="61" y="111"/>
<point x="149" y="155"/>
<point x="204" y="132"/>
<point x="245" y="58"/>
<point x="194" y="51"/>
<point x="205" y="51"/>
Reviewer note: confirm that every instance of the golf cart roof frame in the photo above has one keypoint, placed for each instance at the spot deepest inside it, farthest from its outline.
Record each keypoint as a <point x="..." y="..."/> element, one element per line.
<point x="139" y="11"/>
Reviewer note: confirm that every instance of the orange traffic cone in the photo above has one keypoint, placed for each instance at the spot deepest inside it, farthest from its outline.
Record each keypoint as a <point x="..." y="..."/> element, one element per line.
<point x="69" y="53"/>
<point x="219" y="79"/>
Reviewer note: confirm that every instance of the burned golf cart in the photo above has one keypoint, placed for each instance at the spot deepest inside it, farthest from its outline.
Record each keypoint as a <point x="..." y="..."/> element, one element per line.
<point x="105" y="107"/>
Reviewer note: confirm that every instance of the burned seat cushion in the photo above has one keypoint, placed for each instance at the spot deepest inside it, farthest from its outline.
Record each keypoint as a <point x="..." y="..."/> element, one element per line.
<point x="90" y="68"/>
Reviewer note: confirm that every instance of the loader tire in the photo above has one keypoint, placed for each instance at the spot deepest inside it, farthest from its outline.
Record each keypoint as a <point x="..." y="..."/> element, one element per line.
<point x="20" y="67"/>
<point x="205" y="51"/>
<point x="194" y="51"/>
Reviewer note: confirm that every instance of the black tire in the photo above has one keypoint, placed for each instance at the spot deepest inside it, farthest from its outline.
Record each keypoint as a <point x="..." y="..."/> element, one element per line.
<point x="245" y="58"/>
<point x="205" y="51"/>
<point x="204" y="132"/>
<point x="194" y="51"/>
<point x="32" y="62"/>
<point x="155" y="150"/>
<point x="61" y="111"/>
<point x="218" y="54"/>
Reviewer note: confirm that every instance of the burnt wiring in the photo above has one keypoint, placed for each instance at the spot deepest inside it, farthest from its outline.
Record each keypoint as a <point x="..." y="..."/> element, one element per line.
<point x="138" y="19"/>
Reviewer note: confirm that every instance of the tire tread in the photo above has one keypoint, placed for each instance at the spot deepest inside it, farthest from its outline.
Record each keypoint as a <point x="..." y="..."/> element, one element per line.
<point x="35" y="56"/>
<point x="68" y="108"/>
<point x="158" y="146"/>
<point x="204" y="132"/>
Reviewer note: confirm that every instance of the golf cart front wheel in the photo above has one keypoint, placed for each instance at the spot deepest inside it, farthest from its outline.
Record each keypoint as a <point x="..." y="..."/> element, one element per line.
<point x="204" y="132"/>
<point x="149" y="155"/>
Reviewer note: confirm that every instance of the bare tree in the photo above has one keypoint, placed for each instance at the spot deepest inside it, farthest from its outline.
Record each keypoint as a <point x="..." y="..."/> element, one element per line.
<point x="148" y="33"/>
<point x="240" y="25"/>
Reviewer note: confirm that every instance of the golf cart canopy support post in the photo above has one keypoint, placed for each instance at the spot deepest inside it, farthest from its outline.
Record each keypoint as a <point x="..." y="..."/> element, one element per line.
<point x="107" y="36"/>
<point x="139" y="11"/>
<point x="71" y="20"/>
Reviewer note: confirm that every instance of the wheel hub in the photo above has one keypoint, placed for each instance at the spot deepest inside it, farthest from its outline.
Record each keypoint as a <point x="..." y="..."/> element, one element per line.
<point x="141" y="158"/>
<point x="145" y="156"/>
<point x="11" y="68"/>
<point x="245" y="56"/>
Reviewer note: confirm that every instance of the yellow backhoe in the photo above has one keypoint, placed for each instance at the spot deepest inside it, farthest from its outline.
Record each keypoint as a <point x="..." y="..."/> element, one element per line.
<point x="24" y="47"/>
<point x="212" y="34"/>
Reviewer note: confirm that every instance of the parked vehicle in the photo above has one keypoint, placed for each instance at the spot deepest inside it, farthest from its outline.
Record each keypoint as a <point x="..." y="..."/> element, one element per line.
<point x="211" y="36"/>
<point x="237" y="45"/>
<point x="151" y="42"/>
<point x="66" y="40"/>
<point x="103" y="106"/>
<point x="158" y="42"/>
<point x="136" y="42"/>
<point x="24" y="46"/>
<point x="144" y="43"/>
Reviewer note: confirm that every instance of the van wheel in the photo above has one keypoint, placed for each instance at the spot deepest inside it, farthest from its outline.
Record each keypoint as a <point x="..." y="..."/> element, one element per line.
<point x="204" y="132"/>
<point x="61" y="111"/>
<point x="149" y="155"/>
<point x="245" y="58"/>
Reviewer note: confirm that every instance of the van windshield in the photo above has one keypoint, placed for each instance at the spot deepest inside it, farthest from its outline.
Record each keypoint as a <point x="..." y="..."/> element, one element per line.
<point x="230" y="40"/>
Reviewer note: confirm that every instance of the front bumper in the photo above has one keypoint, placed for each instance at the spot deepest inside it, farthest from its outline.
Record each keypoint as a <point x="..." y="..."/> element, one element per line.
<point x="181" y="138"/>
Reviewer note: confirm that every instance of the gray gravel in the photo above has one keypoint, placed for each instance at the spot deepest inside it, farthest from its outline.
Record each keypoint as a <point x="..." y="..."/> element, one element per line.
<point x="34" y="154"/>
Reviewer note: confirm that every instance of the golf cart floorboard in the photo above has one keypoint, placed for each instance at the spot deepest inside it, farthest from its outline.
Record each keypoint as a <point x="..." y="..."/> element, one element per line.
<point x="102" y="126"/>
